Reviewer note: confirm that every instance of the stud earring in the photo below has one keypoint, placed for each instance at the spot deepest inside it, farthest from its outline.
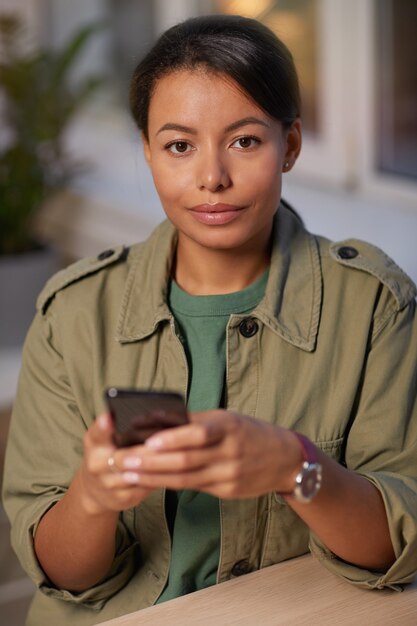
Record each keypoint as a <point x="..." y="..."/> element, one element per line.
<point x="286" y="165"/>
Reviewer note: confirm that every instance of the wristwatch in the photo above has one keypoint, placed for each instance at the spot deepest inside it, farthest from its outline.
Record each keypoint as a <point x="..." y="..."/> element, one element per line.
<point x="309" y="478"/>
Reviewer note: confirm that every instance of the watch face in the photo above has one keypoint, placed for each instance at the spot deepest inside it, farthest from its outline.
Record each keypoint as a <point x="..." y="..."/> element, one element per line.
<point x="311" y="481"/>
<point x="308" y="482"/>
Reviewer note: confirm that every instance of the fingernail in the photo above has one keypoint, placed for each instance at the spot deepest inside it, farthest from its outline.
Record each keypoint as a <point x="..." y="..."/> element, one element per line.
<point x="154" y="442"/>
<point x="132" y="462"/>
<point x="131" y="477"/>
<point x="102" y="422"/>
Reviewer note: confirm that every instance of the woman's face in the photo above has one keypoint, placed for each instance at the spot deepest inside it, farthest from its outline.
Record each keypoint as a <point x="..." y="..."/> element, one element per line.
<point x="216" y="160"/>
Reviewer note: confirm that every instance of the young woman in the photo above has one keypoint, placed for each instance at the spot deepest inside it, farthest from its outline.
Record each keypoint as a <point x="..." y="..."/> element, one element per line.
<point x="297" y="357"/>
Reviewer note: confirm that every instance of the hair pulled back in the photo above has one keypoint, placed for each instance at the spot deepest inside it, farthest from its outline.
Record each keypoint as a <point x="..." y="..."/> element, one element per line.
<point x="238" y="47"/>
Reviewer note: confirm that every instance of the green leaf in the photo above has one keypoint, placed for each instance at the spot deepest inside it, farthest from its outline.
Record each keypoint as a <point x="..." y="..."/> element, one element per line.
<point x="39" y="101"/>
<point x="66" y="59"/>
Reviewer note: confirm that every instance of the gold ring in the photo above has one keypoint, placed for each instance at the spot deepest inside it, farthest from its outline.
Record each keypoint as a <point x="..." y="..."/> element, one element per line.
<point x="112" y="463"/>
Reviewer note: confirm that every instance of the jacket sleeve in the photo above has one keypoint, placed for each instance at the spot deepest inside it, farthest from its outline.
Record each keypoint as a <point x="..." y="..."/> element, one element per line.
<point x="381" y="444"/>
<point x="44" y="450"/>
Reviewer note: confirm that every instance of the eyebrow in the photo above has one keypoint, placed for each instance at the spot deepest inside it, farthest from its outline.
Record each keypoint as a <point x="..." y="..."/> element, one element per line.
<point x="245" y="122"/>
<point x="234" y="126"/>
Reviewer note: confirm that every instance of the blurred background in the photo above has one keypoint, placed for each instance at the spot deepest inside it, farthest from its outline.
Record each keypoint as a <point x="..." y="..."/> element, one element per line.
<point x="71" y="155"/>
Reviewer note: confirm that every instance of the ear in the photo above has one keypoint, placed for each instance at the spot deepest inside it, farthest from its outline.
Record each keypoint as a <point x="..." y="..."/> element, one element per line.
<point x="146" y="149"/>
<point x="294" y="141"/>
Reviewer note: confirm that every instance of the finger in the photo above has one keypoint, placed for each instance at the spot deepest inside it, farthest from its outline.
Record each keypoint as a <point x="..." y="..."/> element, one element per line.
<point x="101" y="431"/>
<point x="108" y="459"/>
<point x="171" y="462"/>
<point x="121" y="480"/>
<point x="202" y="416"/>
<point x="106" y="475"/>
<point x="197" y="435"/>
<point x="129" y="458"/>
<point x="199" y="479"/>
<point x="101" y="454"/>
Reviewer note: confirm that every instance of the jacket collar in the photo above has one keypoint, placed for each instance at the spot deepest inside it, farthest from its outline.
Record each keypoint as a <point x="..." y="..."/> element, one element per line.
<point x="144" y="303"/>
<point x="292" y="302"/>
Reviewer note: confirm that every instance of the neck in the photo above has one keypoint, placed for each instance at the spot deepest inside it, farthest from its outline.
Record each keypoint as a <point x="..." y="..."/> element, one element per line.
<point x="204" y="271"/>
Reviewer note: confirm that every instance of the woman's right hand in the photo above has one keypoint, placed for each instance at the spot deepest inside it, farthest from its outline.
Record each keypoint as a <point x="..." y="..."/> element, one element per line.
<point x="99" y="490"/>
<point x="104" y="487"/>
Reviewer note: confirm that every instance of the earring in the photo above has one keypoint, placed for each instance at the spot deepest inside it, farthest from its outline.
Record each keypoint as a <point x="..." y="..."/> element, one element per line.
<point x="286" y="165"/>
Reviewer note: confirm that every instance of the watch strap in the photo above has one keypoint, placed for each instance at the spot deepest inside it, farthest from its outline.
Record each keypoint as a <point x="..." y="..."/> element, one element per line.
<point x="310" y="461"/>
<point x="309" y="450"/>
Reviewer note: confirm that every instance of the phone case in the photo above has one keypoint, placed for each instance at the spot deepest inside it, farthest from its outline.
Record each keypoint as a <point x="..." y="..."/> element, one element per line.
<point x="139" y="414"/>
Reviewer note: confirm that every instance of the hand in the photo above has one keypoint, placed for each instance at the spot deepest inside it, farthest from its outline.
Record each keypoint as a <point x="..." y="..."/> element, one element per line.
<point x="106" y="486"/>
<point x="221" y="452"/>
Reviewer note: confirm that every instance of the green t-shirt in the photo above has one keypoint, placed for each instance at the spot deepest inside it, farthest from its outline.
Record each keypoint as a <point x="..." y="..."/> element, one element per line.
<point x="194" y="516"/>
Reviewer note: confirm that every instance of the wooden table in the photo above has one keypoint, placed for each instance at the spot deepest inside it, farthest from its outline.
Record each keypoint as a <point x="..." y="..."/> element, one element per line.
<point x="299" y="592"/>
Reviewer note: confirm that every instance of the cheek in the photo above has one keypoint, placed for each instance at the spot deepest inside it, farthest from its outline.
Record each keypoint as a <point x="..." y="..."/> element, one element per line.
<point x="171" y="184"/>
<point x="263" y="177"/>
<point x="161" y="183"/>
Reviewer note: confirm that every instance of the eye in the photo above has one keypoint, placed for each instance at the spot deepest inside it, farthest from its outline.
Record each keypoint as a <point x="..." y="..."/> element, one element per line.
<point x="178" y="147"/>
<point x="248" y="141"/>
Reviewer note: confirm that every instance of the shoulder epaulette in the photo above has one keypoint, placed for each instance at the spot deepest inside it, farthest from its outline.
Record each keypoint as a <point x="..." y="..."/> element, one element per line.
<point x="364" y="256"/>
<point x="76" y="272"/>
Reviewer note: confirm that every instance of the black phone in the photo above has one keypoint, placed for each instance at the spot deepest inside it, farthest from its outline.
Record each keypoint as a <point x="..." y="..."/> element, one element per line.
<point x="138" y="414"/>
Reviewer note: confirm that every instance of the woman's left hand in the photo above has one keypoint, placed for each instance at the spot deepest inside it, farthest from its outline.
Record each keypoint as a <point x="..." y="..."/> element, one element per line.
<point x="222" y="453"/>
<point x="234" y="456"/>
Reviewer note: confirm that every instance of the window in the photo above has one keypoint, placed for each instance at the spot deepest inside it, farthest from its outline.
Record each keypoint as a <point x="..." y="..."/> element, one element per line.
<point x="396" y="87"/>
<point x="295" y="22"/>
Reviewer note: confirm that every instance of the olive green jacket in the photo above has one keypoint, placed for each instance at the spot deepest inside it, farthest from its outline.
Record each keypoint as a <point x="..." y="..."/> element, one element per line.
<point x="334" y="357"/>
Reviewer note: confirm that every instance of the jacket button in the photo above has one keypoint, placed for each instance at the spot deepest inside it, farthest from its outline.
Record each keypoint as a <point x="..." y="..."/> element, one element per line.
<point x="248" y="327"/>
<point x="347" y="252"/>
<point x="240" y="568"/>
<point x="104" y="255"/>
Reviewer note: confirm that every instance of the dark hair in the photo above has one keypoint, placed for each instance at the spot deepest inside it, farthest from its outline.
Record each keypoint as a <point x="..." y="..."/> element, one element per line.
<point x="238" y="47"/>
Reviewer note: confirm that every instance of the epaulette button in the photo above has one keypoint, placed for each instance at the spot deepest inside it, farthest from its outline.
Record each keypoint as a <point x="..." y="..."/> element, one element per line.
<point x="104" y="255"/>
<point x="347" y="252"/>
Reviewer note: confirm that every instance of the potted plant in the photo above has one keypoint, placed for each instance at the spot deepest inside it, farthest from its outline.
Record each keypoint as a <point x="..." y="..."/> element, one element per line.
<point x="38" y="98"/>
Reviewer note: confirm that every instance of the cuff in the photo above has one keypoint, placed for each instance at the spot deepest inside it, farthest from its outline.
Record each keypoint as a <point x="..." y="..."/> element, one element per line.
<point x="399" y="495"/>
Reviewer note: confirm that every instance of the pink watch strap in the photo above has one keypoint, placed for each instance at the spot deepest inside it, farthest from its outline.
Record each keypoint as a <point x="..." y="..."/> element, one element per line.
<point x="309" y="454"/>
<point x="309" y="449"/>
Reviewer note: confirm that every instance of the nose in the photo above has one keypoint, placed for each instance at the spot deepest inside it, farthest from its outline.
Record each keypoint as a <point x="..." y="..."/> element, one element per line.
<point x="213" y="173"/>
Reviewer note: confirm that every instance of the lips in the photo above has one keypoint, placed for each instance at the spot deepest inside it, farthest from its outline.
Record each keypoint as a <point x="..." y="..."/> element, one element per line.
<point x="218" y="207"/>
<point x="215" y="214"/>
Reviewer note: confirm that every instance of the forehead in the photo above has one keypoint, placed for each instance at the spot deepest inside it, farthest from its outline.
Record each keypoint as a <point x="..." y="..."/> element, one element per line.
<point x="199" y="96"/>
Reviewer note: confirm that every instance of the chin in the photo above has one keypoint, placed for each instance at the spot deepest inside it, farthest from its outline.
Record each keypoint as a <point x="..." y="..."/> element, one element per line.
<point x="225" y="240"/>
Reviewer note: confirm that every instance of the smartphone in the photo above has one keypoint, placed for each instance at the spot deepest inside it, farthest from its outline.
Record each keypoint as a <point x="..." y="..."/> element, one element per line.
<point x="139" y="414"/>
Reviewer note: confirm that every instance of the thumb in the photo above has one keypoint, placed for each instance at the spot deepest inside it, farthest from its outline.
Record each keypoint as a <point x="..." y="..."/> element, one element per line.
<point x="102" y="430"/>
<point x="204" y="416"/>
